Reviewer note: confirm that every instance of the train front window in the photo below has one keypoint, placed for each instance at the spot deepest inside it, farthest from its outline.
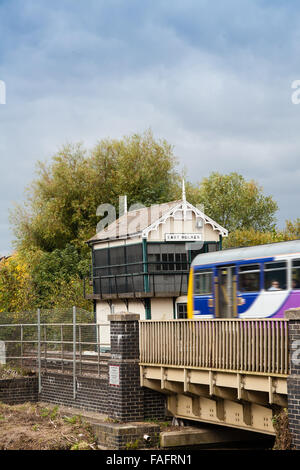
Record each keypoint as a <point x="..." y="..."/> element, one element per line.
<point x="203" y="283"/>
<point x="275" y="276"/>
<point x="249" y="278"/>
<point x="296" y="274"/>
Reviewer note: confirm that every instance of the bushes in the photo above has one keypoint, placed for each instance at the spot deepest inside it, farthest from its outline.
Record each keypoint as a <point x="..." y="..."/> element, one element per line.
<point x="283" y="440"/>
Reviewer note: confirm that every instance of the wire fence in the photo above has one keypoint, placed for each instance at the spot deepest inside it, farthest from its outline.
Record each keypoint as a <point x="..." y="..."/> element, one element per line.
<point x="67" y="341"/>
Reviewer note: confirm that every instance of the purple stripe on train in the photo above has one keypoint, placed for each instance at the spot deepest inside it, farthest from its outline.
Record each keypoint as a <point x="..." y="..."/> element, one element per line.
<point x="293" y="301"/>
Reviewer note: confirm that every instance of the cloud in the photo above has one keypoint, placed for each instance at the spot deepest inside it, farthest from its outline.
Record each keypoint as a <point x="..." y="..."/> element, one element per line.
<point x="213" y="78"/>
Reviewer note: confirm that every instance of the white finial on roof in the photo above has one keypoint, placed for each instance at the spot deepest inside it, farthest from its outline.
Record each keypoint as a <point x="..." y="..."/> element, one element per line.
<point x="183" y="191"/>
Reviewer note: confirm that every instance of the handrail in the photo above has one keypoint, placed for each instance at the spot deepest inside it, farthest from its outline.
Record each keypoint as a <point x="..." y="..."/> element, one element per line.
<point x="254" y="345"/>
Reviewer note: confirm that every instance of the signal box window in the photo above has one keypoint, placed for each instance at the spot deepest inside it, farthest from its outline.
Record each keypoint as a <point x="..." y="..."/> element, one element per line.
<point x="296" y="274"/>
<point x="249" y="278"/>
<point x="181" y="311"/>
<point x="203" y="283"/>
<point x="275" y="276"/>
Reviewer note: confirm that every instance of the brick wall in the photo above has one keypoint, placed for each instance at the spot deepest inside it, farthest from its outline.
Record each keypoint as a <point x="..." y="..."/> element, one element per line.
<point x="92" y="395"/>
<point x="121" y="398"/>
<point x="19" y="390"/>
<point x="154" y="404"/>
<point x="91" y="392"/>
<point x="293" y="381"/>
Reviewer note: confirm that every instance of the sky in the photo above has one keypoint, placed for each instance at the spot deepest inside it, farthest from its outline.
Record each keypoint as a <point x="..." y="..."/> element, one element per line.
<point x="212" y="78"/>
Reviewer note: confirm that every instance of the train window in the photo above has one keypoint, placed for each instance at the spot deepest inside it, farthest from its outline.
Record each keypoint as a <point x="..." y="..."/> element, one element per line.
<point x="275" y="276"/>
<point x="203" y="283"/>
<point x="296" y="274"/>
<point x="249" y="278"/>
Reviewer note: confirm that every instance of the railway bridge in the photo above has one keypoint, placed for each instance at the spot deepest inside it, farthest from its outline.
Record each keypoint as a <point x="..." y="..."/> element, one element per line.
<point x="226" y="372"/>
<point x="233" y="372"/>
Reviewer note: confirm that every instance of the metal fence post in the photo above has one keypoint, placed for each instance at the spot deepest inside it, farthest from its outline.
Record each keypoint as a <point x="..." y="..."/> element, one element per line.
<point x="74" y="353"/>
<point x="39" y="348"/>
<point x="22" y="349"/>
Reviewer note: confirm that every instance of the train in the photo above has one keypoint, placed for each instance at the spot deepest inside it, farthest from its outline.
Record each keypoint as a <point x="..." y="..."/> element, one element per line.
<point x="260" y="281"/>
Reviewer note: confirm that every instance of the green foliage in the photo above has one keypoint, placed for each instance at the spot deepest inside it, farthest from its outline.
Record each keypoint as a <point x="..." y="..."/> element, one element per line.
<point x="40" y="279"/>
<point x="292" y="229"/>
<point x="62" y="201"/>
<point x="16" y="290"/>
<point x="132" y="445"/>
<point x="45" y="412"/>
<point x="235" y="203"/>
<point x="283" y="439"/>
<point x="81" y="445"/>
<point x="8" y="371"/>
<point x="251" y="237"/>
<point x="62" y="264"/>
<point x="58" y="275"/>
<point x="54" y="412"/>
<point x="162" y="424"/>
<point x="59" y="214"/>
<point x="72" y="419"/>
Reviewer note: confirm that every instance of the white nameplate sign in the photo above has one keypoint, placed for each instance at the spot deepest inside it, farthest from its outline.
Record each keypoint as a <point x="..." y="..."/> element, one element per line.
<point x="183" y="237"/>
<point x="114" y="375"/>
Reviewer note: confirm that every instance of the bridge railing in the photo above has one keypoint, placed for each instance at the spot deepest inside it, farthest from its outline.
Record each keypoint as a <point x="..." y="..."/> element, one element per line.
<point x="259" y="346"/>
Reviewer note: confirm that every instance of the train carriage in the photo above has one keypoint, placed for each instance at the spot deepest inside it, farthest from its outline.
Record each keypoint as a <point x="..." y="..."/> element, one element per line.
<point x="252" y="282"/>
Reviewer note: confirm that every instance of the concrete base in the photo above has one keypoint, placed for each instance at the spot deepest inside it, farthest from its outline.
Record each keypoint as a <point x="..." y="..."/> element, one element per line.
<point x="190" y="436"/>
<point x="130" y="436"/>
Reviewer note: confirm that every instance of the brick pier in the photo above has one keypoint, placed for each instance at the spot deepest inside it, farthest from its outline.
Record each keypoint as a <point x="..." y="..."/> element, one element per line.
<point x="125" y="396"/>
<point x="293" y="381"/>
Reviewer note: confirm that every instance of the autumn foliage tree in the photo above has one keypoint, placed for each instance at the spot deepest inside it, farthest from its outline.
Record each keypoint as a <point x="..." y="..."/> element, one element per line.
<point x="16" y="292"/>
<point x="235" y="203"/>
<point x="59" y="213"/>
<point x="63" y="199"/>
<point x="251" y="237"/>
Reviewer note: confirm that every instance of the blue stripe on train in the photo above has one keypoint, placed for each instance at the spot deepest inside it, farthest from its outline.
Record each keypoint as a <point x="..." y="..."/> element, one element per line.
<point x="199" y="267"/>
<point x="249" y="298"/>
<point x="201" y="302"/>
<point x="201" y="305"/>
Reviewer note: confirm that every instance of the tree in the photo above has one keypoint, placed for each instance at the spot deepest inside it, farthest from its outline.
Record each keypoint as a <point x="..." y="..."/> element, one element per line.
<point x="63" y="199"/>
<point x="16" y="292"/>
<point x="55" y="270"/>
<point x="59" y="214"/>
<point x="251" y="237"/>
<point x="292" y="229"/>
<point x="235" y="203"/>
<point x="139" y="166"/>
<point x="29" y="280"/>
